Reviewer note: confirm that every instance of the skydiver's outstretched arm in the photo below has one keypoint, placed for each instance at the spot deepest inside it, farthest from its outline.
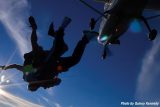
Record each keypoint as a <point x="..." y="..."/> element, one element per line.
<point x="12" y="66"/>
<point x="2" y="67"/>
<point x="77" y="54"/>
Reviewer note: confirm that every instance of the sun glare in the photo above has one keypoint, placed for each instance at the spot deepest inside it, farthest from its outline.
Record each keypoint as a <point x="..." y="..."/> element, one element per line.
<point x="2" y="92"/>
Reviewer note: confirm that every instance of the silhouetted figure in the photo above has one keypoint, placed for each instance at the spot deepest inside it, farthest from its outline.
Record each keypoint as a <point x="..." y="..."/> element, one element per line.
<point x="41" y="67"/>
<point x="29" y="76"/>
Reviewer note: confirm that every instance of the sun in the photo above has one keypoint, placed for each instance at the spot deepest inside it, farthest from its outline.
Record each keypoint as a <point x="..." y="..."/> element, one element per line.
<point x="2" y="92"/>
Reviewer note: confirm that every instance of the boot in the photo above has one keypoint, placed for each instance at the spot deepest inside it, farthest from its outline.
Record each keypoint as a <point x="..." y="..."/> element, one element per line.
<point x="32" y="23"/>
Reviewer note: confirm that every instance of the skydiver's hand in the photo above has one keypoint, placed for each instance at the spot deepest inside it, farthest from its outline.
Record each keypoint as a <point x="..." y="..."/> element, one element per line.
<point x="3" y="67"/>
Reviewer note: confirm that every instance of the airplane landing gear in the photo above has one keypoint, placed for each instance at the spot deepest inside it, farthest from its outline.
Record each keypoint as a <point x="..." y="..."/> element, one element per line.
<point x="104" y="54"/>
<point x="152" y="34"/>
<point x="92" y="23"/>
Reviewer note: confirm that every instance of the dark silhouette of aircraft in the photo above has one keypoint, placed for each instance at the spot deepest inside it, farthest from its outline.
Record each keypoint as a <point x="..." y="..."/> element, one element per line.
<point x="117" y="17"/>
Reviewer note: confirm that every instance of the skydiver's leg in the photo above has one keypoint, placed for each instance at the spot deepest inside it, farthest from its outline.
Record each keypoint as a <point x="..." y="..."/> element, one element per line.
<point x="51" y="30"/>
<point x="35" y="47"/>
<point x="59" y="46"/>
<point x="34" y="38"/>
<point x="77" y="54"/>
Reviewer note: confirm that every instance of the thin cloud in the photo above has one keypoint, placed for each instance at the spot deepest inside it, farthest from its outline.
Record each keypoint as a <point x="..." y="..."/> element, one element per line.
<point x="12" y="16"/>
<point x="57" y="105"/>
<point x="9" y="100"/>
<point x="50" y="103"/>
<point x="148" y="80"/>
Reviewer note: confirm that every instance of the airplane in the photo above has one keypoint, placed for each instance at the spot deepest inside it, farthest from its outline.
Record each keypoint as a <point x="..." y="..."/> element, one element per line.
<point x="117" y="18"/>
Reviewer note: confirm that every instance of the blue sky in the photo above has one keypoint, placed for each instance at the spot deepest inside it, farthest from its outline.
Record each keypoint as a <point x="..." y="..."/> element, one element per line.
<point x="125" y="76"/>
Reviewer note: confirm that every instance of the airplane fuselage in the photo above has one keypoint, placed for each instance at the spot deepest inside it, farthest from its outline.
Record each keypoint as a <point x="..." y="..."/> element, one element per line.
<point x="119" y="19"/>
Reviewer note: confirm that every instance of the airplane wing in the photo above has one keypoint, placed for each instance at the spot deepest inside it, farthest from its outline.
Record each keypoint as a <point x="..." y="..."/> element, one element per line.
<point x="153" y="4"/>
<point x="109" y="2"/>
<point x="104" y="1"/>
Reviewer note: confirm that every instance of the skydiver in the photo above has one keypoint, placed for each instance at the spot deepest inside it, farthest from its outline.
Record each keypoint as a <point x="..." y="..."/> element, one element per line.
<point x="40" y="65"/>
<point x="34" y="59"/>
<point x="29" y="76"/>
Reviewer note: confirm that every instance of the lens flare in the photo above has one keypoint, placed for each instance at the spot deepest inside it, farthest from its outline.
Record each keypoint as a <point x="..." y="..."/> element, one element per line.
<point x="102" y="39"/>
<point x="2" y="78"/>
<point x="135" y="26"/>
<point x="2" y="92"/>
